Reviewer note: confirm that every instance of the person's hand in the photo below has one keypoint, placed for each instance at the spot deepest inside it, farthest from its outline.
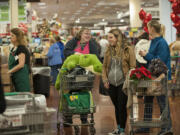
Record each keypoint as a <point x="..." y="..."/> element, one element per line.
<point x="78" y="53"/>
<point x="106" y="85"/>
<point x="9" y="72"/>
<point x="142" y="53"/>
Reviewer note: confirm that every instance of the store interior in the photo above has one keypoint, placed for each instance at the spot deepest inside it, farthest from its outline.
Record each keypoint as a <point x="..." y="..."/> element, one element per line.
<point x="42" y="20"/>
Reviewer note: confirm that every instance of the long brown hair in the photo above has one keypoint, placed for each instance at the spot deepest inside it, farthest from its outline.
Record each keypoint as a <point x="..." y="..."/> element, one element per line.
<point x="79" y="34"/>
<point x="121" y="42"/>
<point x="19" y="36"/>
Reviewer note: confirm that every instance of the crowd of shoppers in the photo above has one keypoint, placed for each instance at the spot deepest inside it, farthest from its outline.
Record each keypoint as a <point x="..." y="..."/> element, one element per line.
<point x="118" y="58"/>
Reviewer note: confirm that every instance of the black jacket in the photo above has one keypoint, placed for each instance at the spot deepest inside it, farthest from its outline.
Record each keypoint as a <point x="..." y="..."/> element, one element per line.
<point x="71" y="45"/>
<point x="2" y="100"/>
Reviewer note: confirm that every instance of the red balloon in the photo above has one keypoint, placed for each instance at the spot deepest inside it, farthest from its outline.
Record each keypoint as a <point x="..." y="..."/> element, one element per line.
<point x="172" y="1"/>
<point x="177" y="26"/>
<point x="175" y="18"/>
<point x="146" y="29"/>
<point x="145" y="22"/>
<point x="176" y="7"/>
<point x="148" y="17"/>
<point x="142" y="14"/>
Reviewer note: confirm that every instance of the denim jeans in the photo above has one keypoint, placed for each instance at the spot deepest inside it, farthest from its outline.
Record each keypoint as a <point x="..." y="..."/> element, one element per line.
<point x="54" y="72"/>
<point x="148" y="100"/>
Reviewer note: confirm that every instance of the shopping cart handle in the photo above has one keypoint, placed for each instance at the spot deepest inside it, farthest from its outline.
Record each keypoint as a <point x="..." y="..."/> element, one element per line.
<point x="175" y="56"/>
<point x="23" y="93"/>
<point x="11" y="93"/>
<point x="18" y="93"/>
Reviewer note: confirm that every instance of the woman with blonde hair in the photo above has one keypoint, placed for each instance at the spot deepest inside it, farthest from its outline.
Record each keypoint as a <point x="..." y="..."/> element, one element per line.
<point x="119" y="58"/>
<point x="158" y="49"/>
<point x="19" y="61"/>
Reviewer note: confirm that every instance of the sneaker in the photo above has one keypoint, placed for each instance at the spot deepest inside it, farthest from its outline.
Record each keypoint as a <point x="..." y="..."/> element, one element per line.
<point x="115" y="132"/>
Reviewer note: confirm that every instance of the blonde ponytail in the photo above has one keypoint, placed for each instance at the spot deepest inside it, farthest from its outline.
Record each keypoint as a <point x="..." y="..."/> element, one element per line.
<point x="163" y="30"/>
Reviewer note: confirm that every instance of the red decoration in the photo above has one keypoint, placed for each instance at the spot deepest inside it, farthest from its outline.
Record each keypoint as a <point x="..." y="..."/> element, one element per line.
<point x="140" y="74"/>
<point x="23" y="27"/>
<point x="175" y="15"/>
<point x="146" y="29"/>
<point x="145" y="18"/>
<point x="142" y="14"/>
<point x="176" y="7"/>
<point x="177" y="26"/>
<point x="148" y="17"/>
<point x="33" y="18"/>
<point x="172" y="1"/>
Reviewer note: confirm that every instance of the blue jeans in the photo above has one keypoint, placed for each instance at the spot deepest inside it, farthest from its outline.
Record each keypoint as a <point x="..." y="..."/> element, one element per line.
<point x="54" y="72"/>
<point x="148" y="100"/>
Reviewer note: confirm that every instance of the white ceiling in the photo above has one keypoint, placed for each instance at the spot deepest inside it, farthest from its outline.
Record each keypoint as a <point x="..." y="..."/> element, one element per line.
<point x="87" y="12"/>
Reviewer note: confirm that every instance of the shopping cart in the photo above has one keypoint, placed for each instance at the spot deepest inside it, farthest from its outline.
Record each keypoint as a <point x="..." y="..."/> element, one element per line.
<point x="76" y="99"/>
<point x="24" y="115"/>
<point x="152" y="117"/>
<point x="174" y="86"/>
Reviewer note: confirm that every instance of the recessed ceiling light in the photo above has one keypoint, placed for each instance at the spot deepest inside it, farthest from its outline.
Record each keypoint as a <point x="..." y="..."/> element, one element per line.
<point x="103" y="3"/>
<point x="122" y="20"/>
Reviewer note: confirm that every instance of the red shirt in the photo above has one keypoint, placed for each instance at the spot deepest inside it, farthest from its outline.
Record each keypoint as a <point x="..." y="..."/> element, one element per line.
<point x="84" y="51"/>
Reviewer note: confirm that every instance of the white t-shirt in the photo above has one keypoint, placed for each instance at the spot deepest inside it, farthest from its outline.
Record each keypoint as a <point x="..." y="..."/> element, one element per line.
<point x="103" y="43"/>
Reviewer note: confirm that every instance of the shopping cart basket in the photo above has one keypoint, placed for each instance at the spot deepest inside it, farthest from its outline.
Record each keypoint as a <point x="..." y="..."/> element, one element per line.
<point x="149" y="115"/>
<point x="23" y="116"/>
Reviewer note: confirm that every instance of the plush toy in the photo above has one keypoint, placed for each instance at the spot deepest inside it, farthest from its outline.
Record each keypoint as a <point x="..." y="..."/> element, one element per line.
<point x="90" y="62"/>
<point x="87" y="61"/>
<point x="71" y="62"/>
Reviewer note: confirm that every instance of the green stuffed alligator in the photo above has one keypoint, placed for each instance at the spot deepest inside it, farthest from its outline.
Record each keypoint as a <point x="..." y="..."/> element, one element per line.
<point x="87" y="61"/>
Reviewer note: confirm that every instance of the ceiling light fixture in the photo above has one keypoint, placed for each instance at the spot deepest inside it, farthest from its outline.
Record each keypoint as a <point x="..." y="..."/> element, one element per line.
<point x="122" y="20"/>
<point x="119" y="15"/>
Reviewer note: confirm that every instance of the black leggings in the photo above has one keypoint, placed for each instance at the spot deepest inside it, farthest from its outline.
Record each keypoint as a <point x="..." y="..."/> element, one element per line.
<point x="119" y="100"/>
